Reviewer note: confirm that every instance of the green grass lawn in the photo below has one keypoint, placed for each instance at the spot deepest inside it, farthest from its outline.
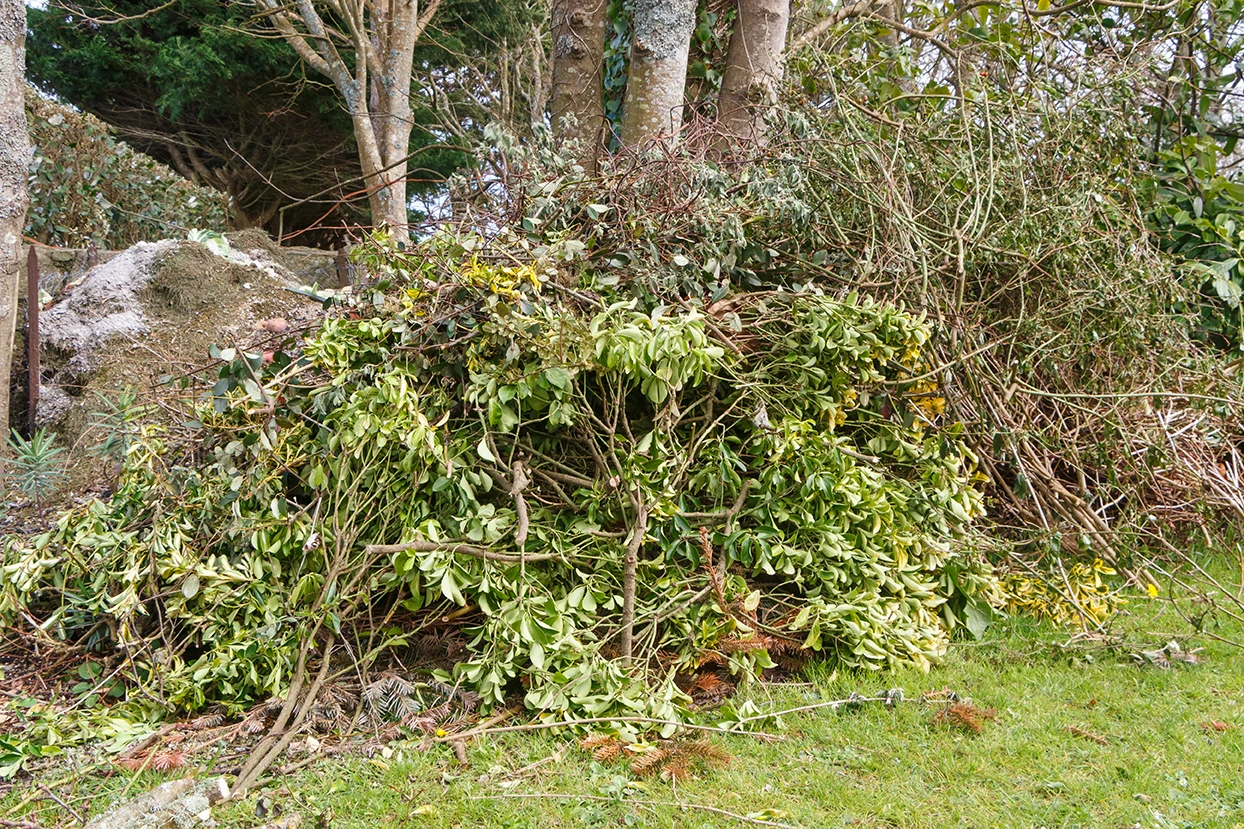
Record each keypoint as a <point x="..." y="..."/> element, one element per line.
<point x="1162" y="763"/>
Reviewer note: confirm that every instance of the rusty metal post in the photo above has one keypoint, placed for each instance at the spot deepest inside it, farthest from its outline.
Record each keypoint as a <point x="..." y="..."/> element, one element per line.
<point x="92" y="255"/>
<point x="32" y="334"/>
<point x="343" y="268"/>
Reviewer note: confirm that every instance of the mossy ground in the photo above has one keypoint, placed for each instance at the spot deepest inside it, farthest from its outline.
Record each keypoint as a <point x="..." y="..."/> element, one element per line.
<point x="1082" y="737"/>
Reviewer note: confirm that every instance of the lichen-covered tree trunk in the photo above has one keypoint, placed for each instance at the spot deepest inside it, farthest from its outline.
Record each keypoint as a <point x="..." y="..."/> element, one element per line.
<point x="578" y="66"/>
<point x="656" y="79"/>
<point x="753" y="67"/>
<point x="14" y="197"/>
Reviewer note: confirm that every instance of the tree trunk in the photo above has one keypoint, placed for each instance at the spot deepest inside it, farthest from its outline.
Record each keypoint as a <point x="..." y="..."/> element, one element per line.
<point x="657" y="76"/>
<point x="893" y="9"/>
<point x="15" y="155"/>
<point x="374" y="84"/>
<point x="578" y="70"/>
<point x="753" y="68"/>
<point x="386" y="188"/>
<point x="399" y="29"/>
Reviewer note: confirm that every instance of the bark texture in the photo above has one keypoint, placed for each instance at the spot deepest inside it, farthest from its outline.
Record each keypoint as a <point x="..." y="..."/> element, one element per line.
<point x="15" y="156"/>
<point x="754" y="65"/>
<point x="374" y="85"/>
<point x="656" y="79"/>
<point x="578" y="64"/>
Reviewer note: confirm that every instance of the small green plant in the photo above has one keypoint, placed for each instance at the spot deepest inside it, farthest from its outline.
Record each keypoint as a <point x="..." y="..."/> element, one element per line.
<point x="16" y="753"/>
<point x="119" y="424"/>
<point x="37" y="465"/>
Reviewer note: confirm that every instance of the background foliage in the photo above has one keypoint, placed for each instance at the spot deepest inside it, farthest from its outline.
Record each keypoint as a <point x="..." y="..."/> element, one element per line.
<point x="87" y="186"/>
<point x="197" y="86"/>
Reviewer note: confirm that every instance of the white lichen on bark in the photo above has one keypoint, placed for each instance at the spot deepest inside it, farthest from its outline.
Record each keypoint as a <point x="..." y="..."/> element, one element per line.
<point x="657" y="76"/>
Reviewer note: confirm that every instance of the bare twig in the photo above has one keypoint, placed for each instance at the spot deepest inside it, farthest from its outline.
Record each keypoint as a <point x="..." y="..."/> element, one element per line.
<point x="459" y="549"/>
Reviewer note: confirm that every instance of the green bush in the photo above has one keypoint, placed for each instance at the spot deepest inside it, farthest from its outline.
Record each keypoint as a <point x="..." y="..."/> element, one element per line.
<point x="87" y="186"/>
<point x="1198" y="217"/>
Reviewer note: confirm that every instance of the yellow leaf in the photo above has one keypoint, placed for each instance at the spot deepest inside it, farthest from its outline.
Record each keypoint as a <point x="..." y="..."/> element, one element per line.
<point x="1153" y="590"/>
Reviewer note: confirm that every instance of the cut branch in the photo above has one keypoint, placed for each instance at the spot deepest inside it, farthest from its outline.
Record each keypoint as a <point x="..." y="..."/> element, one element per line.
<point x="458" y="549"/>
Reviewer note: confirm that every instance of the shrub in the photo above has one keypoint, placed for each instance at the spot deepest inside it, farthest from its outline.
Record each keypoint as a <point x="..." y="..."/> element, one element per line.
<point x="87" y="186"/>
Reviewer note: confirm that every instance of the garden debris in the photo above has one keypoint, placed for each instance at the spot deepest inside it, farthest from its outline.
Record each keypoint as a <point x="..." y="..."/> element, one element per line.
<point x="966" y="716"/>
<point x="1076" y="595"/>
<point x="177" y="804"/>
<point x="1168" y="655"/>
<point x="674" y="760"/>
<point x="151" y="311"/>
<point x="536" y="616"/>
<point x="1084" y="734"/>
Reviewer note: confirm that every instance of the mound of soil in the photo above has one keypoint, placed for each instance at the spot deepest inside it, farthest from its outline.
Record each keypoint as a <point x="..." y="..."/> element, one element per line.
<point x="153" y="311"/>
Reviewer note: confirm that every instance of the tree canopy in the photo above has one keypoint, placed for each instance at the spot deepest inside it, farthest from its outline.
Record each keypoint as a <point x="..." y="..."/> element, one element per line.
<point x="197" y="87"/>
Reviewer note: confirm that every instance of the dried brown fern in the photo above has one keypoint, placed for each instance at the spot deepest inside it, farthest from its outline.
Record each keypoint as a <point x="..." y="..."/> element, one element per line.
<point x="154" y="761"/>
<point x="205" y="721"/>
<point x="678" y="760"/>
<point x="649" y="762"/>
<point x="677" y="767"/>
<point x="966" y="716"/>
<point x="602" y="747"/>
<point x="708" y="752"/>
<point x="709" y="687"/>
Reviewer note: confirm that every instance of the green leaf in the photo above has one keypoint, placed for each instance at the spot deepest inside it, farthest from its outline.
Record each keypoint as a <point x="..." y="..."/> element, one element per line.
<point x="253" y="390"/>
<point x="558" y="377"/>
<point x="978" y="617"/>
<point x="449" y="588"/>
